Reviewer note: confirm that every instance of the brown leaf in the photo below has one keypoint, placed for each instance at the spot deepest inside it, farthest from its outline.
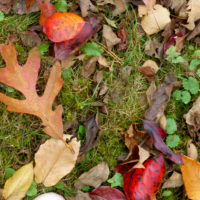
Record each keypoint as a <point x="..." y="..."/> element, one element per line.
<point x="175" y="180"/>
<point x="192" y="151"/>
<point x="149" y="4"/>
<point x="191" y="177"/>
<point x="193" y="121"/>
<point x="89" y="67"/>
<point x="98" y="76"/>
<point x="92" y="134"/>
<point x="110" y="37"/>
<point x="180" y="42"/>
<point x="86" y="6"/>
<point x="103" y="62"/>
<point x="152" y="47"/>
<point x="24" y="80"/>
<point x="82" y="196"/>
<point x="54" y="161"/>
<point x="120" y="7"/>
<point x="94" y="177"/>
<point x="68" y="61"/>
<point x="6" y="5"/>
<point x="30" y="39"/>
<point x="150" y="91"/>
<point x="193" y="7"/>
<point x="176" y="5"/>
<point x="122" y="34"/>
<point x="160" y="98"/>
<point x="195" y="32"/>
<point x="149" y="69"/>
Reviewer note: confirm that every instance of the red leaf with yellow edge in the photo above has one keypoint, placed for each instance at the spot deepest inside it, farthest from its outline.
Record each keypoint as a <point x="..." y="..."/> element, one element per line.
<point x="62" y="26"/>
<point x="47" y="10"/>
<point x="24" y="80"/>
<point x="143" y="183"/>
<point x="63" y="49"/>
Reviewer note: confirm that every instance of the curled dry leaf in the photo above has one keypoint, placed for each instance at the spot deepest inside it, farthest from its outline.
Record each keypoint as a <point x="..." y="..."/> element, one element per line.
<point x="30" y="39"/>
<point x="195" y="32"/>
<point x="136" y="181"/>
<point x="191" y="177"/>
<point x="110" y="37"/>
<point x="155" y="20"/>
<point x="192" y="151"/>
<point x="193" y="121"/>
<point x="120" y="7"/>
<point x="86" y="6"/>
<point x="152" y="48"/>
<point x="149" y="69"/>
<point x="60" y="160"/>
<point x="16" y="187"/>
<point x="94" y="177"/>
<point x="89" y="67"/>
<point x="193" y="7"/>
<point x="175" y="180"/>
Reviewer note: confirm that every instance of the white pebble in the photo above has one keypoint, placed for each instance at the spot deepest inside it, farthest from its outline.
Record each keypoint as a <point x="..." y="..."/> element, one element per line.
<point x="49" y="196"/>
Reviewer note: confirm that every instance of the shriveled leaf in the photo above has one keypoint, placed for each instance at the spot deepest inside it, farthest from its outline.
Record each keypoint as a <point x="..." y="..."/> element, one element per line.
<point x="195" y="32"/>
<point x="63" y="26"/>
<point x="86" y="6"/>
<point x="30" y="39"/>
<point x="94" y="177"/>
<point x="16" y="187"/>
<point x="54" y="161"/>
<point x="192" y="151"/>
<point x="191" y="177"/>
<point x="136" y="180"/>
<point x="158" y="142"/>
<point x="193" y="121"/>
<point x="175" y="180"/>
<point x="63" y="49"/>
<point x="107" y="193"/>
<point x="152" y="47"/>
<point x="155" y="20"/>
<point x="110" y="37"/>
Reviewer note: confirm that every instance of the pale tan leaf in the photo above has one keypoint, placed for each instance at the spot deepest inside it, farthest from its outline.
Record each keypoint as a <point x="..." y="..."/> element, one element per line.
<point x="94" y="177"/>
<point x="16" y="187"/>
<point x="82" y="196"/>
<point x="54" y="161"/>
<point x="120" y="7"/>
<point x="175" y="180"/>
<point x="68" y="61"/>
<point x="192" y="151"/>
<point x="149" y="3"/>
<point x="155" y="20"/>
<point x="191" y="177"/>
<point x="89" y="67"/>
<point x="103" y="62"/>
<point x="86" y="6"/>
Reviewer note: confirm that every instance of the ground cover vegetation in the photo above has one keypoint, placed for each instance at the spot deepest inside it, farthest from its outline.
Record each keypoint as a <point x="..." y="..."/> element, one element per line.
<point x="116" y="92"/>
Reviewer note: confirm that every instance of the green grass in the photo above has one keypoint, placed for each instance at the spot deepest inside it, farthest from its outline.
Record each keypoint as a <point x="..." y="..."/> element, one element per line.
<point x="21" y="133"/>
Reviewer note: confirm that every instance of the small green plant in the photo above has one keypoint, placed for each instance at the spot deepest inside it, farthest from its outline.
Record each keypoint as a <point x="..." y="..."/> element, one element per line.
<point x="173" y="56"/>
<point x="43" y="48"/>
<point x="32" y="190"/>
<point x="92" y="49"/>
<point x="116" y="180"/>
<point x="1" y="16"/>
<point x="183" y="96"/>
<point x="61" y="6"/>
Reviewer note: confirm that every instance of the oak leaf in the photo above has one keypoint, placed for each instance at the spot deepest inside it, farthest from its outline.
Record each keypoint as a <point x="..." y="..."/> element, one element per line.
<point x="191" y="177"/>
<point x="24" y="80"/>
<point x="60" y="160"/>
<point x="16" y="186"/>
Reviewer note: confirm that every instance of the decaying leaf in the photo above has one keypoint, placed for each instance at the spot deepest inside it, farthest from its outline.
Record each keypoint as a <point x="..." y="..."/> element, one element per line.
<point x="24" y="80"/>
<point x="94" y="177"/>
<point x="175" y="180"/>
<point x="152" y="47"/>
<point x="86" y="6"/>
<point x="136" y="181"/>
<point x="149" y="69"/>
<point x="30" y="39"/>
<point x="6" y="5"/>
<point x="60" y="160"/>
<point x="191" y="177"/>
<point x="158" y="135"/>
<point x="16" y="187"/>
<point x="89" y="67"/>
<point x="120" y="7"/>
<point x="110" y="37"/>
<point x="149" y="3"/>
<point x="107" y="193"/>
<point x="122" y="34"/>
<point x="192" y="151"/>
<point x="193" y="121"/>
<point x="155" y="20"/>
<point x="160" y="98"/>
<point x="92" y="136"/>
<point x="193" y="7"/>
<point x="82" y="196"/>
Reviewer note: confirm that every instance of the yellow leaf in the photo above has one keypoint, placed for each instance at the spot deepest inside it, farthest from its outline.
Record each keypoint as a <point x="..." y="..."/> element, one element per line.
<point x="54" y="160"/>
<point x="16" y="187"/>
<point x="191" y="177"/>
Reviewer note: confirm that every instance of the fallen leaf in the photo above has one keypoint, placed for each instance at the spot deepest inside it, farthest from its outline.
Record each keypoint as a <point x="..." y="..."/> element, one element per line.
<point x="110" y="37"/>
<point x="16" y="187"/>
<point x="103" y="89"/>
<point x="158" y="135"/>
<point x="193" y="7"/>
<point x="92" y="134"/>
<point x="193" y="121"/>
<point x="120" y="7"/>
<point x="160" y="98"/>
<point x="149" y="69"/>
<point x="136" y="180"/>
<point x="98" y="76"/>
<point x="104" y="2"/>
<point x="103" y="62"/>
<point x="107" y="193"/>
<point x="68" y="61"/>
<point x="195" y="32"/>
<point x="86" y="6"/>
<point x="30" y="39"/>
<point x="175" y="180"/>
<point x="60" y="160"/>
<point x="180" y="42"/>
<point x="82" y="196"/>
<point x="94" y="177"/>
<point x="152" y="47"/>
<point x="122" y="34"/>
<point x="89" y="67"/>
<point x="192" y="151"/>
<point x="150" y="91"/>
<point x="19" y="7"/>
<point x="6" y="5"/>
<point x="149" y="4"/>
<point x="155" y="20"/>
<point x="191" y="177"/>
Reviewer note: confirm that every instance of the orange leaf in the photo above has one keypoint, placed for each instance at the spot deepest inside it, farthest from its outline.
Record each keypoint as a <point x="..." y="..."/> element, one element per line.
<point x="24" y="80"/>
<point x="62" y="26"/>
<point x="191" y="177"/>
